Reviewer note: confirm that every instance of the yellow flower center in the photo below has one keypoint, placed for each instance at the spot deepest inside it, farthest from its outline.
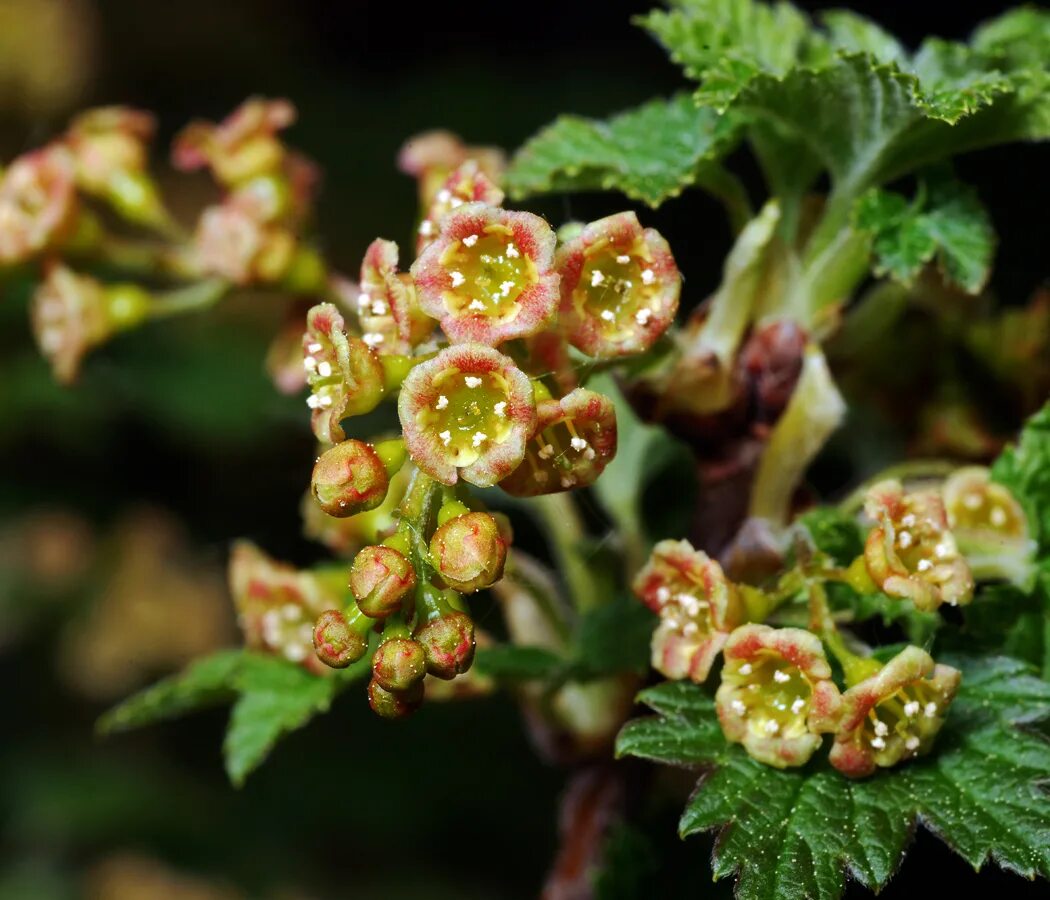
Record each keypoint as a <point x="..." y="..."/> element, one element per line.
<point x="488" y="272"/>
<point x="469" y="414"/>
<point x="775" y="697"/>
<point x="618" y="288"/>
<point x="898" y="725"/>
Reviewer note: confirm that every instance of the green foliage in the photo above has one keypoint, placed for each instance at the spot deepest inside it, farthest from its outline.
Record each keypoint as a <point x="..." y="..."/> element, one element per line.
<point x="614" y="637"/>
<point x="946" y="220"/>
<point x="833" y="532"/>
<point x="1025" y="470"/>
<point x="517" y="662"/>
<point x="796" y="833"/>
<point x="650" y="153"/>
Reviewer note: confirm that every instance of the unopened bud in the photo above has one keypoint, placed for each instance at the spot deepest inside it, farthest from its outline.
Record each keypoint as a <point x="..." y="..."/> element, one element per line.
<point x="398" y="664"/>
<point x="349" y="478"/>
<point x="469" y="551"/>
<point x="336" y="641"/>
<point x="381" y="578"/>
<point x="448" y="644"/>
<point x="394" y="704"/>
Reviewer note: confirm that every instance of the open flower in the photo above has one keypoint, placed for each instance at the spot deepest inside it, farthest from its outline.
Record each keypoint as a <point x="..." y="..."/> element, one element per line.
<point x="242" y="146"/>
<point x="71" y="314"/>
<point x="467" y="413"/>
<point x="467" y="184"/>
<point x="575" y="440"/>
<point x="386" y="303"/>
<point x="278" y="605"/>
<point x="989" y="525"/>
<point x="37" y="203"/>
<point x="619" y="287"/>
<point x="433" y="155"/>
<point x="893" y="715"/>
<point x="489" y="277"/>
<point x="911" y="553"/>
<point x="345" y="376"/>
<point x="776" y="696"/>
<point x="698" y="608"/>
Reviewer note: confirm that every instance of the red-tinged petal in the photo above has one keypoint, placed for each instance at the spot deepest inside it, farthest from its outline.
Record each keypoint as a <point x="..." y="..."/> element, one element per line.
<point x="984" y="516"/>
<point x="109" y="142"/>
<point x="776" y="695"/>
<point x="912" y="553"/>
<point x="37" y="203"/>
<point x="432" y="156"/>
<point x="574" y="441"/>
<point x="234" y="243"/>
<point x="345" y="376"/>
<point x="467" y="184"/>
<point x="467" y="413"/>
<point x="619" y="287"/>
<point x="386" y="303"/>
<point x="488" y="277"/>
<point x="894" y="715"/>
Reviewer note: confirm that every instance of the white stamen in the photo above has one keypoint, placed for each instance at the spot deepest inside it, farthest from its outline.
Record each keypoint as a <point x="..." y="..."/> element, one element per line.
<point x="998" y="517"/>
<point x="454" y="202"/>
<point x="912" y="742"/>
<point x="324" y="369"/>
<point x="881" y="728"/>
<point x="597" y="277"/>
<point x="745" y="669"/>
<point x="310" y="363"/>
<point x="973" y="501"/>
<point x="589" y="453"/>
<point x="942" y="550"/>
<point x="911" y="708"/>
<point x="690" y="629"/>
<point x="648" y="276"/>
<point x="506" y="287"/>
<point x="738" y="707"/>
<point x="512" y="252"/>
<point x="500" y="409"/>
<point x="313" y="401"/>
<point x="457" y="278"/>
<point x="470" y="240"/>
<point x="567" y="481"/>
<point x="472" y="381"/>
<point x="363" y="301"/>
<point x="608" y="315"/>
<point x="930" y="710"/>
<point x="444" y="195"/>
<point x="379" y="308"/>
<point x="373" y="339"/>
<point x="643" y="316"/>
<point x="446" y="437"/>
<point x="908" y="521"/>
<point x="904" y="539"/>
<point x="546" y="452"/>
<point x="426" y="228"/>
<point x="578" y="443"/>
<point x="780" y="676"/>
<point x="479" y="438"/>
<point x="313" y="348"/>
<point x="771" y="727"/>
<point x="623" y="259"/>
<point x="878" y="743"/>
<point x="924" y="565"/>
<point x="477" y="305"/>
<point x="663" y="594"/>
<point x="325" y="401"/>
<point x="442" y="402"/>
<point x="796" y="707"/>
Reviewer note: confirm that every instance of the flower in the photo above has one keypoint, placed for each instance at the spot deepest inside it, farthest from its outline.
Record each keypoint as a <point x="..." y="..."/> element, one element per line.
<point x="432" y="156"/>
<point x="893" y="715"/>
<point x="242" y="146"/>
<point x="345" y="376"/>
<point x="469" y="551"/>
<point x="776" y="696"/>
<point x="619" y="287"/>
<point x="72" y="313"/>
<point x="234" y="242"/>
<point x="278" y="605"/>
<point x="467" y="413"/>
<point x="38" y="203"/>
<point x="386" y="303"/>
<point x="467" y="184"/>
<point x="575" y="440"/>
<point x="381" y="578"/>
<point x="488" y="276"/>
<point x="284" y="356"/>
<point x="399" y="664"/>
<point x="911" y="553"/>
<point x="698" y="608"/>
<point x="349" y="478"/>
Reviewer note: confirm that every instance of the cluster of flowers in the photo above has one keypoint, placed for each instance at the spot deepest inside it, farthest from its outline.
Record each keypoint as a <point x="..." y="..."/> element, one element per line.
<point x="777" y="695"/>
<point x="478" y="343"/>
<point x="58" y="203"/>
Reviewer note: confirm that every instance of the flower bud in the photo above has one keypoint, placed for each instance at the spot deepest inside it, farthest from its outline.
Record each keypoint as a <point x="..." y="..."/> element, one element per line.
<point x="38" y="203"/>
<point x="71" y="314"/>
<point x="911" y="553"/>
<point x="776" y="696"/>
<point x="489" y="275"/>
<point x="345" y="376"/>
<point x="398" y="664"/>
<point x="698" y="608"/>
<point x="574" y="441"/>
<point x="349" y="478"/>
<point x="619" y="287"/>
<point x="467" y="412"/>
<point x="394" y="704"/>
<point x="467" y="184"/>
<point x="336" y="642"/>
<point x="432" y="156"/>
<point x="448" y="644"/>
<point x="894" y="714"/>
<point x="381" y="578"/>
<point x="469" y="551"/>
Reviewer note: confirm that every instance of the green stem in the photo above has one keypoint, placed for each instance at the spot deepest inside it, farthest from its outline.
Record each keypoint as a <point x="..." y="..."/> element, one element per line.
<point x="855" y="668"/>
<point x="727" y="188"/>
<point x="566" y="534"/>
<point x="192" y="298"/>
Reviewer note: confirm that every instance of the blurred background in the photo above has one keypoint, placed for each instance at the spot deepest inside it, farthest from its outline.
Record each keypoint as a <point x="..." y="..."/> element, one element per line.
<point x="120" y="497"/>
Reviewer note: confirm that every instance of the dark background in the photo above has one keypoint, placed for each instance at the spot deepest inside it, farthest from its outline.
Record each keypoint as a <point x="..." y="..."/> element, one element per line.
<point x="452" y="803"/>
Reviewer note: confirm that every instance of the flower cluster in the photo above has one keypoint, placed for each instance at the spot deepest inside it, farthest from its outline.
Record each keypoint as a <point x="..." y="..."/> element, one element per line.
<point x="778" y="695"/>
<point x="463" y="343"/>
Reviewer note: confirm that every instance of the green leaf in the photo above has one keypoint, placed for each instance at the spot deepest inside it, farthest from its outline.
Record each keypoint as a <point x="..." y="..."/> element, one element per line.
<point x="1018" y="39"/>
<point x="276" y="697"/>
<point x="796" y="833"/>
<point x="650" y="153"/>
<point x="1025" y="470"/>
<point x="946" y="220"/>
<point x="855" y="34"/>
<point x="205" y="682"/>
<point x="834" y="532"/>
<point x="510" y="662"/>
<point x="613" y="638"/>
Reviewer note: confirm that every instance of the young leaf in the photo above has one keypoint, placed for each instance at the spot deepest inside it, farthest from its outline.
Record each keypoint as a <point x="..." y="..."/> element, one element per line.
<point x="834" y="532"/>
<point x="205" y="682"/>
<point x="276" y="697"/>
<point x="1025" y="470"/>
<point x="947" y="220"/>
<point x="650" y="153"/>
<point x="796" y="833"/>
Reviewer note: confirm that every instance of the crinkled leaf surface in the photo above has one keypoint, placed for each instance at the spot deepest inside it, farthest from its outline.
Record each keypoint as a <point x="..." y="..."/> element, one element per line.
<point x="946" y="221"/>
<point x="650" y="153"/>
<point x="797" y="833"/>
